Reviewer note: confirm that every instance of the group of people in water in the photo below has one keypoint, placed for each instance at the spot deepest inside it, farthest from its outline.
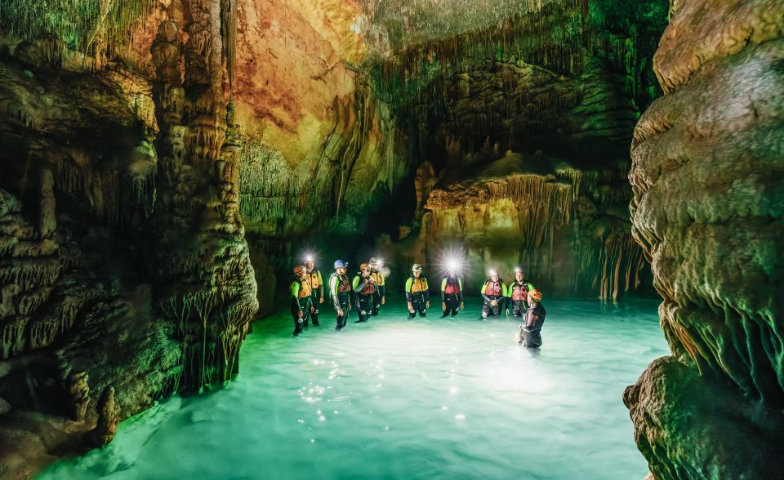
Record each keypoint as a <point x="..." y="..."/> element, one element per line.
<point x="366" y="293"/>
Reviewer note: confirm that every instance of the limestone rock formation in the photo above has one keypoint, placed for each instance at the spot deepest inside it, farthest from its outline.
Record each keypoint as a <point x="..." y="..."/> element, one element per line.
<point x="707" y="177"/>
<point x="124" y="271"/>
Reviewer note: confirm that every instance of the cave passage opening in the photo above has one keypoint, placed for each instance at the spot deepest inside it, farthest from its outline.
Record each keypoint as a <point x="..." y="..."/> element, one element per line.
<point x="392" y="398"/>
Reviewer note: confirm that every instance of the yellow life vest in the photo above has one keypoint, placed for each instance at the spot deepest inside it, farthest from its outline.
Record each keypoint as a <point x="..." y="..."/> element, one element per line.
<point x="314" y="279"/>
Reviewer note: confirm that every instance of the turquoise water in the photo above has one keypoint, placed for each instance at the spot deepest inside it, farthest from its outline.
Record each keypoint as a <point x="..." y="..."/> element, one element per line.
<point x="399" y="399"/>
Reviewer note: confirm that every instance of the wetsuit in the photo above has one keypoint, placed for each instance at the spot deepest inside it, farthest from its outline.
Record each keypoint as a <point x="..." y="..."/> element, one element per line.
<point x="381" y="290"/>
<point x="317" y="293"/>
<point x="364" y="288"/>
<point x="340" y="291"/>
<point x="300" y="302"/>
<point x="532" y="331"/>
<point x="517" y="295"/>
<point x="418" y="294"/>
<point x="452" y="294"/>
<point x="493" y="291"/>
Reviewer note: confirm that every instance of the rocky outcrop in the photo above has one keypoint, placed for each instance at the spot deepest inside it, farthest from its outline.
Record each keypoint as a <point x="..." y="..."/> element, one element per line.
<point x="124" y="271"/>
<point x="707" y="177"/>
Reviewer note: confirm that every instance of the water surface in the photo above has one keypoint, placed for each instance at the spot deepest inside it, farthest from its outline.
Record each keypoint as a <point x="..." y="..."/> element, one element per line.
<point x="398" y="399"/>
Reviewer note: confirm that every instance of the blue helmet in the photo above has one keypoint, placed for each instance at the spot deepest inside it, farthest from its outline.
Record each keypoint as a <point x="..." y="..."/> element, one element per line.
<point x="340" y="264"/>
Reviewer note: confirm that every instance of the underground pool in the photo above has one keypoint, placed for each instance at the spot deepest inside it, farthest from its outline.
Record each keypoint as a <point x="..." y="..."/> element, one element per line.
<point x="399" y="399"/>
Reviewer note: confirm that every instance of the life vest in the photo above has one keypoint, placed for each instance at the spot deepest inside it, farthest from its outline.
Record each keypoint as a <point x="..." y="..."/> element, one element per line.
<point x="519" y="291"/>
<point x="418" y="285"/>
<point x="304" y="288"/>
<point x="343" y="285"/>
<point x="368" y="288"/>
<point x="314" y="278"/>
<point x="452" y="286"/>
<point x="493" y="289"/>
<point x="378" y="277"/>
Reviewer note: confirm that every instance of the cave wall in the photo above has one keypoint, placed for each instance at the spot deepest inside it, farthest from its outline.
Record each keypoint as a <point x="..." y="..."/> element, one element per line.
<point x="521" y="133"/>
<point x="125" y="273"/>
<point x="707" y="177"/>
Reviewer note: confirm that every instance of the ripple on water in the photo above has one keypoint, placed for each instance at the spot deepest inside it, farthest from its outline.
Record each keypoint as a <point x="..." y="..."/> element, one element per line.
<point x="395" y="399"/>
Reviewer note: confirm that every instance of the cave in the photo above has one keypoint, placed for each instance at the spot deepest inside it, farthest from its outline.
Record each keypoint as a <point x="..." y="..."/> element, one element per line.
<point x="169" y="169"/>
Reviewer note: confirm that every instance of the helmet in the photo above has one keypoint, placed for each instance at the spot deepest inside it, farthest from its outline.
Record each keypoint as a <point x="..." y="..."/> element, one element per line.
<point x="364" y="266"/>
<point x="340" y="264"/>
<point x="535" y="295"/>
<point x="373" y="261"/>
<point x="298" y="269"/>
<point x="518" y="269"/>
<point x="492" y="272"/>
<point x="416" y="267"/>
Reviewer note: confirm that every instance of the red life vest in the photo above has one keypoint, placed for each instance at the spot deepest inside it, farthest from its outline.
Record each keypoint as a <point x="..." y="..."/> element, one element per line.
<point x="452" y="286"/>
<point x="368" y="289"/>
<point x="519" y="292"/>
<point x="493" y="289"/>
<point x="344" y="286"/>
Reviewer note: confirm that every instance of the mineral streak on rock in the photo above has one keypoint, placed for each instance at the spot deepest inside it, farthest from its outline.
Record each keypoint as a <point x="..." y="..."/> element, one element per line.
<point x="707" y="177"/>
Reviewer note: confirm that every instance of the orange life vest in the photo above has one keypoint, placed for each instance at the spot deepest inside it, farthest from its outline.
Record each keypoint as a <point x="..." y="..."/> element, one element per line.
<point x="304" y="288"/>
<point x="493" y="289"/>
<point x="418" y="285"/>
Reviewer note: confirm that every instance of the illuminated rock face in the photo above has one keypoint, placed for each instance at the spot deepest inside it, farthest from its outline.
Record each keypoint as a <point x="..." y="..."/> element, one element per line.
<point x="707" y="177"/>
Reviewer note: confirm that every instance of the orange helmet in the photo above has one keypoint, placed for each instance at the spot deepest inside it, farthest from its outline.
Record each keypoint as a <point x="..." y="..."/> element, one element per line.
<point x="298" y="269"/>
<point x="535" y="295"/>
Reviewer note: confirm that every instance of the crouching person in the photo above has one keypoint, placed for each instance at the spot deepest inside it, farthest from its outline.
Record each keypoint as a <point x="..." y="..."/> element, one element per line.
<point x="517" y="294"/>
<point x="340" y="292"/>
<point x="417" y="293"/>
<point x="364" y="290"/>
<point x="531" y="330"/>
<point x="301" y="306"/>
<point x="494" y="295"/>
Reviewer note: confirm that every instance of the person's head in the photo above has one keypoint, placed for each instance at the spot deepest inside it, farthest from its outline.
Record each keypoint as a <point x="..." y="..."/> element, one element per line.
<point x="416" y="270"/>
<point x="340" y="267"/>
<point x="299" y="271"/>
<point x="310" y="264"/>
<point x="519" y="275"/>
<point x="373" y="263"/>
<point x="535" y="296"/>
<point x="451" y="268"/>
<point x="365" y="269"/>
<point x="494" y="275"/>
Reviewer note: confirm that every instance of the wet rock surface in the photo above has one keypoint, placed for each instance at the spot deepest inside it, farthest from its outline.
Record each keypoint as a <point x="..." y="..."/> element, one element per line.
<point x="707" y="177"/>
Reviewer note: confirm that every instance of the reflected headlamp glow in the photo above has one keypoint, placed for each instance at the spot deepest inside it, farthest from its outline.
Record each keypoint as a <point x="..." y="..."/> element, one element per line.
<point x="453" y="265"/>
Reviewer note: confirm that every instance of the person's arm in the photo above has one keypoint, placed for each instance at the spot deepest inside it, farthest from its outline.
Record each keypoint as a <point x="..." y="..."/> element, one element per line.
<point x="443" y="290"/>
<point x="358" y="284"/>
<point x="294" y="289"/>
<point x="531" y="320"/>
<point x="321" y="285"/>
<point x="333" y="291"/>
<point x="484" y="295"/>
<point x="408" y="290"/>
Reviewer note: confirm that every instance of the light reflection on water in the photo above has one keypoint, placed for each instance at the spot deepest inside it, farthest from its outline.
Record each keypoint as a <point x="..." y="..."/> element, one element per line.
<point x="393" y="399"/>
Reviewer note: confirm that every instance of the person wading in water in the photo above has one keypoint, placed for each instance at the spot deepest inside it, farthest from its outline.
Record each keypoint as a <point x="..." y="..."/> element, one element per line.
<point x="531" y="330"/>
